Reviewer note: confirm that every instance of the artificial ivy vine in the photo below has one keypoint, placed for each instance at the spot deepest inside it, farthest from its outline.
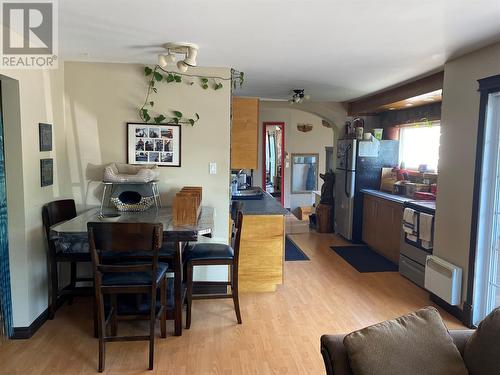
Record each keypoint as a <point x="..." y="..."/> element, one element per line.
<point x="158" y="74"/>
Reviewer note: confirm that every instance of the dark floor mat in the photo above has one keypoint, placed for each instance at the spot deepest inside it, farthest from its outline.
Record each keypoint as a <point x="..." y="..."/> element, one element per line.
<point x="293" y="252"/>
<point x="364" y="259"/>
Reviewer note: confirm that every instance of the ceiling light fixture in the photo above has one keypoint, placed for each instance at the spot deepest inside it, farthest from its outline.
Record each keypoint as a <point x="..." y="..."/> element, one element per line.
<point x="189" y="50"/>
<point x="298" y="96"/>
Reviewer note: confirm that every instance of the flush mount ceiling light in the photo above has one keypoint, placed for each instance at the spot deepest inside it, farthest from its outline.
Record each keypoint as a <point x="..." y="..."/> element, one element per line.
<point x="189" y="50"/>
<point x="298" y="96"/>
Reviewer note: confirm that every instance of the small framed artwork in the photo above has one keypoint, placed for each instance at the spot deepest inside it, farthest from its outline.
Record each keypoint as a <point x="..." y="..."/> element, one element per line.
<point x="46" y="172"/>
<point x="45" y="136"/>
<point x="154" y="144"/>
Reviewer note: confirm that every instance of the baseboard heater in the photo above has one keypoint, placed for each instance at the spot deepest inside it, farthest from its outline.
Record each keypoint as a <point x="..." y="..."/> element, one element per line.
<point x="443" y="279"/>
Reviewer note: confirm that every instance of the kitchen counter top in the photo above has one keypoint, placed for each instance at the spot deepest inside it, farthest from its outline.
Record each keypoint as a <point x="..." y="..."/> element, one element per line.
<point x="267" y="205"/>
<point x="392" y="197"/>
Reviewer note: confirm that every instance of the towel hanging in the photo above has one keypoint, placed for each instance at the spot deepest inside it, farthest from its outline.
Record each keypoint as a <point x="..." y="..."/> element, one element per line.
<point x="410" y="222"/>
<point x="425" y="233"/>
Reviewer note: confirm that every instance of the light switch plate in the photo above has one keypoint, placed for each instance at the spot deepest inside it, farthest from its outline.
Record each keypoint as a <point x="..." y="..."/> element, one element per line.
<point x="213" y="168"/>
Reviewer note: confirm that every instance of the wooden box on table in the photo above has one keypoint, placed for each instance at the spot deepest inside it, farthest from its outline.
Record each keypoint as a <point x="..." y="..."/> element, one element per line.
<point x="187" y="205"/>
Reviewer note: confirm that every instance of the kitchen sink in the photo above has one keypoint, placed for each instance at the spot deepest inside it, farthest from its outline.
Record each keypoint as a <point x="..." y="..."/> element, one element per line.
<point x="251" y="193"/>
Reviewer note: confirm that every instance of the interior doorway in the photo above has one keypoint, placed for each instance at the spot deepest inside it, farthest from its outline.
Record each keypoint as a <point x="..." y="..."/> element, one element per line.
<point x="273" y="160"/>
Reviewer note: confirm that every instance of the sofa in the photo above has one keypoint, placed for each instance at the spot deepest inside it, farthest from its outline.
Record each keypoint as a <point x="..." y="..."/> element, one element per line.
<point x="337" y="362"/>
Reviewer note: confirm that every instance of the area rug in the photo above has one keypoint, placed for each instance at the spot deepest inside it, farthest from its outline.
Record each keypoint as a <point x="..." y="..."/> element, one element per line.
<point x="293" y="252"/>
<point x="364" y="259"/>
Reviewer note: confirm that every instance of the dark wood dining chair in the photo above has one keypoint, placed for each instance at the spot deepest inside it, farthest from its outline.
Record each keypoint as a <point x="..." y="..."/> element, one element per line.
<point x="134" y="277"/>
<point x="171" y="254"/>
<point x="52" y="214"/>
<point x="211" y="254"/>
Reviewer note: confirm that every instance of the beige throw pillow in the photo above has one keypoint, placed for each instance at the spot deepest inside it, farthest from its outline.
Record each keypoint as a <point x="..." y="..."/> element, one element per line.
<point x="414" y="344"/>
<point x="482" y="350"/>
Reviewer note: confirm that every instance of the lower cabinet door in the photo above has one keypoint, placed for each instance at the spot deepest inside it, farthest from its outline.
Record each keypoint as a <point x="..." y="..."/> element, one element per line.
<point x="397" y="227"/>
<point x="369" y="234"/>
<point x="382" y="220"/>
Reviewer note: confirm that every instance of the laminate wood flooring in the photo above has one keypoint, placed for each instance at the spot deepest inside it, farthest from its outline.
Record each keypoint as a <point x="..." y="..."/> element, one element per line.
<point x="279" y="335"/>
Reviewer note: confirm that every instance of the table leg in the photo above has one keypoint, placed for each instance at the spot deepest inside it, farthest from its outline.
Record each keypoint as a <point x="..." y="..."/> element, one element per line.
<point x="153" y="191"/>
<point x="158" y="193"/>
<point x="178" y="302"/>
<point x="54" y="287"/>
<point x="103" y="196"/>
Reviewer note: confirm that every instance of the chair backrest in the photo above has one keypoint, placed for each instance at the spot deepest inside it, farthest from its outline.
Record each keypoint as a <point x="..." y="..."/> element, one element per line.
<point x="56" y="212"/>
<point x="237" y="236"/>
<point x="120" y="238"/>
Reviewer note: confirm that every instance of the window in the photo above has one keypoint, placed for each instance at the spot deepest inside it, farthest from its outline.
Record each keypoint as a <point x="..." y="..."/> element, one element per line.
<point x="487" y="271"/>
<point x="419" y="145"/>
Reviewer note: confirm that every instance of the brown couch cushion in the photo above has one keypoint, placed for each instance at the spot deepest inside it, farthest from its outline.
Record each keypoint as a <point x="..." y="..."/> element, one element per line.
<point x="482" y="350"/>
<point x="417" y="343"/>
<point x="334" y="355"/>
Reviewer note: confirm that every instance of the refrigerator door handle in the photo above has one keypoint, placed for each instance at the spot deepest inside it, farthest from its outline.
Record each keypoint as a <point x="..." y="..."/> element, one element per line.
<point x="348" y="149"/>
<point x="349" y="193"/>
<point x="345" y="184"/>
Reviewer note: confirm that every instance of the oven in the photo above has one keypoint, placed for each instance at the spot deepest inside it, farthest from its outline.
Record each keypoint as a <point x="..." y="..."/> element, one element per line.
<point x="412" y="252"/>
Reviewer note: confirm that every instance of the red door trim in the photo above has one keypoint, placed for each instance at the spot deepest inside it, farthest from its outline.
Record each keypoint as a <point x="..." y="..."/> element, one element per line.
<point x="264" y="127"/>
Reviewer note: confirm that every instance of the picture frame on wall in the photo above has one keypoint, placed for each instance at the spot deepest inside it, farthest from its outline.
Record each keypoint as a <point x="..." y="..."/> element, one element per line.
<point x="46" y="172"/>
<point x="45" y="136"/>
<point x="154" y="144"/>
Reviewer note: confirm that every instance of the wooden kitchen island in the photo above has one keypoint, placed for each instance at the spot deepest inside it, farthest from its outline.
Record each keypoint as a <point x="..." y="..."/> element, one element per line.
<point x="262" y="245"/>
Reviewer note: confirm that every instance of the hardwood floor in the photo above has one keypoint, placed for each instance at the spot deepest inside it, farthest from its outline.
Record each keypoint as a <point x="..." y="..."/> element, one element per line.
<point x="279" y="335"/>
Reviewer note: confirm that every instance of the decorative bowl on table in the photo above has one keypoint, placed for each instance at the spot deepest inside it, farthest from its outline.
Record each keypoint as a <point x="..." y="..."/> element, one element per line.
<point x="132" y="201"/>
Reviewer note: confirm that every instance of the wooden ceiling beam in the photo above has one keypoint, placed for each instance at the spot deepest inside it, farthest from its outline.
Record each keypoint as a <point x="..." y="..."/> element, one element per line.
<point x="371" y="104"/>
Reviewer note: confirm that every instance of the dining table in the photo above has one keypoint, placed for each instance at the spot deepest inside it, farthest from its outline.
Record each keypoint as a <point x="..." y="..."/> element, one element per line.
<point x="73" y="232"/>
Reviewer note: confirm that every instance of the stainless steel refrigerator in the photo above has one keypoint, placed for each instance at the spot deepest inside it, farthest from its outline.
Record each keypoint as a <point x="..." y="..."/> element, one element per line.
<point x="355" y="171"/>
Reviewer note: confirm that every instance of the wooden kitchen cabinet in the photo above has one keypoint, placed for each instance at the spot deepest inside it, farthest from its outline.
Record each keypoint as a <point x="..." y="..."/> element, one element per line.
<point x="369" y="234"/>
<point x="382" y="221"/>
<point x="244" y="133"/>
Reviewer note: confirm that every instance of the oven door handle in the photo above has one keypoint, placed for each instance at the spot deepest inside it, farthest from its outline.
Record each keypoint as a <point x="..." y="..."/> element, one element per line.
<point x="409" y="265"/>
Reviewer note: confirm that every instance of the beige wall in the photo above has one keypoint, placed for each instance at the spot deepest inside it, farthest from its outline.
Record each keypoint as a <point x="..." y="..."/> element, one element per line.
<point x="460" y="111"/>
<point x="101" y="98"/>
<point x="28" y="98"/>
<point x="314" y="141"/>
